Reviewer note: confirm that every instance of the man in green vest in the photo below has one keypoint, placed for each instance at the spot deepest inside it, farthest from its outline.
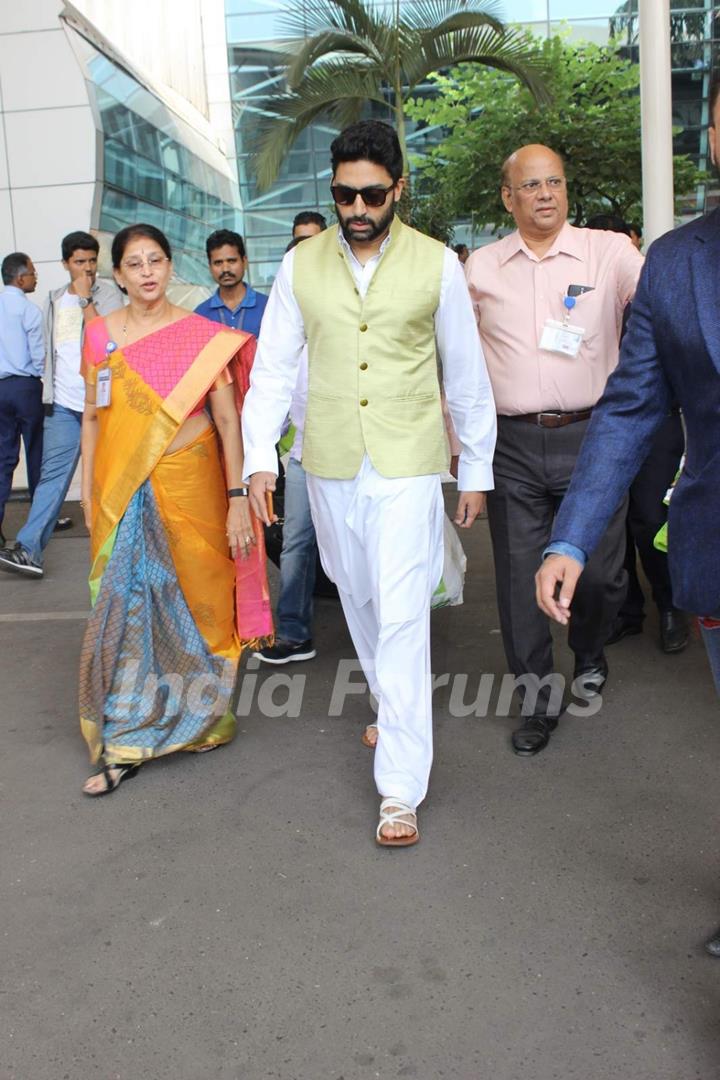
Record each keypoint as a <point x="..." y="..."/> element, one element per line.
<point x="379" y="305"/>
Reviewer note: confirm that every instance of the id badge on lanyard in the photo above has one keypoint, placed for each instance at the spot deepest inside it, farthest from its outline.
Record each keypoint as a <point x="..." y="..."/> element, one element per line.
<point x="228" y="322"/>
<point x="103" y="388"/>
<point x="561" y="337"/>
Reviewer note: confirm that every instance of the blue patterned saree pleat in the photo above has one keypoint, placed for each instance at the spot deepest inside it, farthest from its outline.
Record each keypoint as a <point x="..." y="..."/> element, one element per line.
<point x="147" y="676"/>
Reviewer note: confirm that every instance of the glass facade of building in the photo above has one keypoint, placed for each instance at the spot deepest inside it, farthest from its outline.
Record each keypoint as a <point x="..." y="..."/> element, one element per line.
<point x="254" y="34"/>
<point x="156" y="168"/>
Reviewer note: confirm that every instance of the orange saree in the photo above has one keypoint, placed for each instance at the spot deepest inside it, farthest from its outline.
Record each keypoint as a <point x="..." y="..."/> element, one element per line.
<point x="171" y="611"/>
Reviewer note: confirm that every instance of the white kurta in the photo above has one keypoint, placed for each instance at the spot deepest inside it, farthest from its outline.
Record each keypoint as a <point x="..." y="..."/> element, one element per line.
<point x="380" y="538"/>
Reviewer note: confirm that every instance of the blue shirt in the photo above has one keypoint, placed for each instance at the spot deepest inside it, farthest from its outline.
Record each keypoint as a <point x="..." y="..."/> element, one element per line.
<point x="22" y="345"/>
<point x="246" y="316"/>
<point x="562" y="547"/>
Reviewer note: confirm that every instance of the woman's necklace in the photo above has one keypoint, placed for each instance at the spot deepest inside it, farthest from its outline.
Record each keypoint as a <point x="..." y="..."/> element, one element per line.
<point x="149" y="327"/>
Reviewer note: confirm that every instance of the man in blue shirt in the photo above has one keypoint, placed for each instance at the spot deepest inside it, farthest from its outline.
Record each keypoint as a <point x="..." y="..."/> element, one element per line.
<point x="233" y="303"/>
<point x="22" y="361"/>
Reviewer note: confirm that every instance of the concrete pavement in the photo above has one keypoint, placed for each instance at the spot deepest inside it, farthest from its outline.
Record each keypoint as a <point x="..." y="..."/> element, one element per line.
<point x="228" y="917"/>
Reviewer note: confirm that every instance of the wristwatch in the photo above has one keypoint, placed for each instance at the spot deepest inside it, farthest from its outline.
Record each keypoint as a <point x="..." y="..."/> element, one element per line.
<point x="84" y="301"/>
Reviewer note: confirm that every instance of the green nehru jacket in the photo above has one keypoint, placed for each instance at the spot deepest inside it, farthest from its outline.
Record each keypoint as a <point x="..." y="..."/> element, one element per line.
<point x="372" y="365"/>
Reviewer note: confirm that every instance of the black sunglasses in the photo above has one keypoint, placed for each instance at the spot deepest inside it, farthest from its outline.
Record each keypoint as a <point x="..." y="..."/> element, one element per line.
<point x="371" y="196"/>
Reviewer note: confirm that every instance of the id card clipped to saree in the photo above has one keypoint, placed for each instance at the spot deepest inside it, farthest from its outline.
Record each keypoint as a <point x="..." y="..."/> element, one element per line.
<point x="103" y="388"/>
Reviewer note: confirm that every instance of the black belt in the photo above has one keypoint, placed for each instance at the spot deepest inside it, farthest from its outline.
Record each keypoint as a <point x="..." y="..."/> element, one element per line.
<point x="552" y="419"/>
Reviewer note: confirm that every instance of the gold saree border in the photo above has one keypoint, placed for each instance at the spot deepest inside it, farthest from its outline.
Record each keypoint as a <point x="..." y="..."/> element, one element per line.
<point x="221" y="731"/>
<point x="196" y="382"/>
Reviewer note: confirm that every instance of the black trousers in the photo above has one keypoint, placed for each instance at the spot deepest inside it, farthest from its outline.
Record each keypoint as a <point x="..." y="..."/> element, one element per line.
<point x="21" y="415"/>
<point x="532" y="469"/>
<point x="646" y="515"/>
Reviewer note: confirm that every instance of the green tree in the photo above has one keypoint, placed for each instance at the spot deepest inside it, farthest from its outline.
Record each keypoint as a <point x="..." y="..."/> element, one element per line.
<point x="344" y="54"/>
<point x="593" y="120"/>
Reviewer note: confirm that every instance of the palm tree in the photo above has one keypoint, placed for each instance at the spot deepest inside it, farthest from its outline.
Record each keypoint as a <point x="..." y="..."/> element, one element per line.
<point x="345" y="53"/>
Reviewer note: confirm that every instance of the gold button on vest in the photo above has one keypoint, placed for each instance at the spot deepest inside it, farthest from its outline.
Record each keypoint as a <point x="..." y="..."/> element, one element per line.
<point x="389" y="336"/>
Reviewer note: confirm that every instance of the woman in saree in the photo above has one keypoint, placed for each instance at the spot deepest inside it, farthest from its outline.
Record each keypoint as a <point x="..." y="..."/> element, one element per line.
<point x="177" y="575"/>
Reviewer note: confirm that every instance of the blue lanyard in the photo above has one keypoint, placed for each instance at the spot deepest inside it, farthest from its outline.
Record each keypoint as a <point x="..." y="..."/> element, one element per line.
<point x="226" y="317"/>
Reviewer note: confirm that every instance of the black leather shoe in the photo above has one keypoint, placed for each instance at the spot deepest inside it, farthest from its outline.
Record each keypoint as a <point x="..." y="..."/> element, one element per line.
<point x="534" y="735"/>
<point x="62" y="524"/>
<point x="589" y="679"/>
<point x="624" y="627"/>
<point x="713" y="945"/>
<point x="674" y="631"/>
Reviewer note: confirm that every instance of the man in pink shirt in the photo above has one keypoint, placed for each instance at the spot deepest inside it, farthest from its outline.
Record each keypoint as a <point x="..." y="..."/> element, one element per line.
<point x="549" y="301"/>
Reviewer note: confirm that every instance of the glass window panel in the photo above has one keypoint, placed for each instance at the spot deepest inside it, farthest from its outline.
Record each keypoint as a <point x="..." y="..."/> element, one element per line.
<point x="273" y="223"/>
<point x="171" y="156"/>
<point x="595" y="30"/>
<point x="176" y="191"/>
<point x="133" y="173"/>
<point x="147" y="139"/>
<point x="256" y="26"/>
<point x="689" y="54"/>
<point x="322" y="140"/>
<point x="688" y="142"/>
<point x="589" y="9"/>
<point x="117" y="210"/>
<point x="263" y="274"/>
<point x="268" y="249"/>
<point x="255" y="74"/>
<point x="295" y="193"/>
<point x="244" y="7"/>
<point x="524" y="10"/>
<point x="687" y="113"/>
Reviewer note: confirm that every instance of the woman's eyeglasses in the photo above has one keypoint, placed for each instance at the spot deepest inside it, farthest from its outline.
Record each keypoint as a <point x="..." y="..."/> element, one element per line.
<point x="134" y="266"/>
<point x="374" y="195"/>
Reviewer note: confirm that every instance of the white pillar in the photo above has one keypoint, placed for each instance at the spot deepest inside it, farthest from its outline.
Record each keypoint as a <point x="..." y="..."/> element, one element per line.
<point x="656" y="108"/>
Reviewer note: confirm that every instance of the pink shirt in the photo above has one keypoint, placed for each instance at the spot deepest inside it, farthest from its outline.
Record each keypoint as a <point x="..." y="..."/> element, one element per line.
<point x="514" y="292"/>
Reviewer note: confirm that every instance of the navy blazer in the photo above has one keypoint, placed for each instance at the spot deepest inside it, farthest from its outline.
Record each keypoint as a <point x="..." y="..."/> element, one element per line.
<point x="670" y="353"/>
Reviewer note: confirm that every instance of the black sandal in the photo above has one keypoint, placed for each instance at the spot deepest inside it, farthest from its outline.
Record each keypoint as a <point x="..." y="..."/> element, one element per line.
<point x="124" y="772"/>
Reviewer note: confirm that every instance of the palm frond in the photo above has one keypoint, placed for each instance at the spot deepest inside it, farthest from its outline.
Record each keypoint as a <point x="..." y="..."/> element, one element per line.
<point x="463" y="20"/>
<point x="507" y="52"/>
<point x="333" y="90"/>
<point x="432" y="14"/>
<point x="309" y="19"/>
<point x="328" y="43"/>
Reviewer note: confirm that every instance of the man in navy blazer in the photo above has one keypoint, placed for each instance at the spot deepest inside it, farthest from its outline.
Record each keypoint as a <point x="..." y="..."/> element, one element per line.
<point x="671" y="352"/>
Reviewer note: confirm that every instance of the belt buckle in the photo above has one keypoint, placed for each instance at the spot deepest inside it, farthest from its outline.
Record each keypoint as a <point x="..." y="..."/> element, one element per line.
<point x="542" y="415"/>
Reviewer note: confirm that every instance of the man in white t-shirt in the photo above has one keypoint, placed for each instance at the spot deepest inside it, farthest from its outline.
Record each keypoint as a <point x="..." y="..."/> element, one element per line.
<point x="67" y="310"/>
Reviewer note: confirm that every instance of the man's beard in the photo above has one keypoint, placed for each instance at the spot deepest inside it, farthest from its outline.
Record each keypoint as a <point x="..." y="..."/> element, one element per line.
<point x="376" y="228"/>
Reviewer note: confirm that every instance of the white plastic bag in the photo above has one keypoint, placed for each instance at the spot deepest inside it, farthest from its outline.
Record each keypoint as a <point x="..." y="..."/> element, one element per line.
<point x="449" y="592"/>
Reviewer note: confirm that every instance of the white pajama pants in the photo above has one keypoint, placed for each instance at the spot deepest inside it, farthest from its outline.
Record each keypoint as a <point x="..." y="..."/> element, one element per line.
<point x="381" y="542"/>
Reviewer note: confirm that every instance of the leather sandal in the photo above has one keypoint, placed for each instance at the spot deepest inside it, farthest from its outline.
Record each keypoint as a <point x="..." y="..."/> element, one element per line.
<point x="122" y="772"/>
<point x="397" y="815"/>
